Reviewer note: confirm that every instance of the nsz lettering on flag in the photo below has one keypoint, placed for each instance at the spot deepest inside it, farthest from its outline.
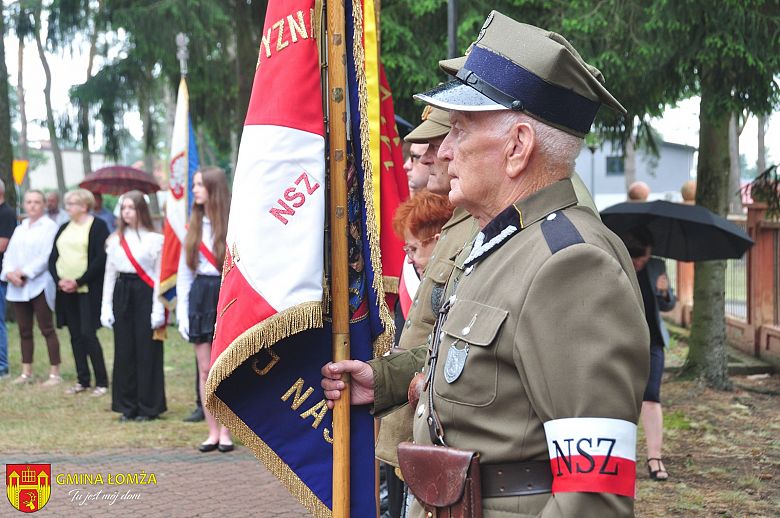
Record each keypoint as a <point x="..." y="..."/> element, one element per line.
<point x="592" y="455"/>
<point x="273" y="330"/>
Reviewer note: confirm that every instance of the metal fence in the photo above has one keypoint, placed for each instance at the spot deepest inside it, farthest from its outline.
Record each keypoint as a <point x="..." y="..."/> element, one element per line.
<point x="671" y="272"/>
<point x="736" y="283"/>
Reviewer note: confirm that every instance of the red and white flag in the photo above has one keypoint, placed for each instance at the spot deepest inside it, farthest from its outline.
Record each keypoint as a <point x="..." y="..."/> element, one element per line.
<point x="278" y="206"/>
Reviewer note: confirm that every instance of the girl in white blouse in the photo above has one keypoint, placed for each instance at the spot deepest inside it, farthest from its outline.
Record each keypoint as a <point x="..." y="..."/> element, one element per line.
<point x="30" y="285"/>
<point x="198" y="280"/>
<point x="131" y="306"/>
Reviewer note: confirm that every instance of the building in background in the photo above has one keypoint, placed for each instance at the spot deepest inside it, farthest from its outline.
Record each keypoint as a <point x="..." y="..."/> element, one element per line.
<point x="604" y="173"/>
<point x="44" y="175"/>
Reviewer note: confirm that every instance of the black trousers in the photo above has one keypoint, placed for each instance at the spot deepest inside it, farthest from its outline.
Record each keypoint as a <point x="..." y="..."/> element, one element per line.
<point x="83" y="339"/>
<point x="139" y="382"/>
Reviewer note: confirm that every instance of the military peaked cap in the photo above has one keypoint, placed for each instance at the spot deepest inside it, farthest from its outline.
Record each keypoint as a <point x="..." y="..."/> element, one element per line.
<point x="515" y="66"/>
<point x="435" y="123"/>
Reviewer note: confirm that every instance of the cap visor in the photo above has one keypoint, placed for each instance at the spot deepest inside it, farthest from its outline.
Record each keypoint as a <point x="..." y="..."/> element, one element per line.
<point x="457" y="96"/>
<point x="426" y="131"/>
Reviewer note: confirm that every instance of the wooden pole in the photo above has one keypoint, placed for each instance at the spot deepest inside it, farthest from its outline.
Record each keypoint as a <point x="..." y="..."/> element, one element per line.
<point x="337" y="130"/>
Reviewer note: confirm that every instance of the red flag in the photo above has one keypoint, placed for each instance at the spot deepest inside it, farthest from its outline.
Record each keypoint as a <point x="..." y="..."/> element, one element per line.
<point x="394" y="189"/>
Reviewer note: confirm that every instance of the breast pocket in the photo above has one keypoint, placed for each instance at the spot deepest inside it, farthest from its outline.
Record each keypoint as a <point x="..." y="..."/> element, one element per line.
<point x="467" y="368"/>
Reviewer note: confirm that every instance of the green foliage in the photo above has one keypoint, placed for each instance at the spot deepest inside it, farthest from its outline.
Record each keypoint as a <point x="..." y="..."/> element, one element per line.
<point x="414" y="39"/>
<point x="766" y="188"/>
<point x="676" y="420"/>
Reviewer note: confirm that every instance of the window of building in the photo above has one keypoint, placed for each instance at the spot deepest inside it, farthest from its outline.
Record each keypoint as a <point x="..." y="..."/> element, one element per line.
<point x="615" y="166"/>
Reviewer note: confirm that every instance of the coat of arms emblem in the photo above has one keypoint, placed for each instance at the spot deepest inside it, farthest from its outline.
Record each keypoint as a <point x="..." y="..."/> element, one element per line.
<point x="28" y="486"/>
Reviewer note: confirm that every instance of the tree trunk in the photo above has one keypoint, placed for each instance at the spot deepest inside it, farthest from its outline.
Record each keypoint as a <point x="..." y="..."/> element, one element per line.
<point x="761" y="160"/>
<point x="246" y="61"/>
<point x="23" y="151"/>
<point x="6" y="151"/>
<point x="629" y="161"/>
<point x="735" y="171"/>
<point x="55" y="146"/>
<point x="707" y="354"/>
<point x="84" y="126"/>
<point x="207" y="156"/>
<point x="145" y="109"/>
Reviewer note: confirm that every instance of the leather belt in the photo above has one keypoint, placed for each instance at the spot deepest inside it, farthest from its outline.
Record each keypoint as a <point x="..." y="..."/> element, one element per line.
<point x="516" y="479"/>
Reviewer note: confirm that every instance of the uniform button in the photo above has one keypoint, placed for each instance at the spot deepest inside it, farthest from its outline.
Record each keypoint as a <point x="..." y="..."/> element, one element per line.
<point x="441" y="335"/>
<point x="430" y="336"/>
<point x="466" y="330"/>
<point x="408" y="323"/>
<point x="443" y="237"/>
<point x="453" y="299"/>
<point x="551" y="217"/>
<point x="433" y="257"/>
<point x="468" y="270"/>
<point x="420" y="410"/>
<point x="414" y="303"/>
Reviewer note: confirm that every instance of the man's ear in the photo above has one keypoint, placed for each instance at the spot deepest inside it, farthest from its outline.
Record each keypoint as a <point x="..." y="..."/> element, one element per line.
<point x="522" y="141"/>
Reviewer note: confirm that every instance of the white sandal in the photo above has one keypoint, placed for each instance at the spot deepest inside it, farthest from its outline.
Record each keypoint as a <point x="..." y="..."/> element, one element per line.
<point x="52" y="381"/>
<point x="23" y="379"/>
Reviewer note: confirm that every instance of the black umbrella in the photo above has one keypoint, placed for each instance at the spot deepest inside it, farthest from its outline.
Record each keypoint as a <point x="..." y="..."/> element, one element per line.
<point x="682" y="232"/>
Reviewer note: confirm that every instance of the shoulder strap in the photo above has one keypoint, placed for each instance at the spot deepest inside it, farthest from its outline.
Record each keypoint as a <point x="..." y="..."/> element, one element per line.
<point x="560" y="232"/>
<point x="138" y="269"/>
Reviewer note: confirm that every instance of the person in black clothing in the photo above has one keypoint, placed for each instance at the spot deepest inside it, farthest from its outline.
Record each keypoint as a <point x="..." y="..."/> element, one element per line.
<point x="132" y="308"/>
<point x="7" y="226"/>
<point x="77" y="263"/>
<point x="657" y="296"/>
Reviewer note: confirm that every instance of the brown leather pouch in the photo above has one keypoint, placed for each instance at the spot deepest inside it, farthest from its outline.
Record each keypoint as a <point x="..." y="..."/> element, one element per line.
<point x="445" y="480"/>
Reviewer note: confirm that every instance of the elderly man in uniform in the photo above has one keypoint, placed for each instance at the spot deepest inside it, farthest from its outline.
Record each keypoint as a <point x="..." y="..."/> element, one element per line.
<point x="416" y="172"/>
<point x="455" y="234"/>
<point x="539" y="358"/>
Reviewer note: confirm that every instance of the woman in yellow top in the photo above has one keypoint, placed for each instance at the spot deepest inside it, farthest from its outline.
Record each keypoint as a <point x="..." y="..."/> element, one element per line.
<point x="77" y="263"/>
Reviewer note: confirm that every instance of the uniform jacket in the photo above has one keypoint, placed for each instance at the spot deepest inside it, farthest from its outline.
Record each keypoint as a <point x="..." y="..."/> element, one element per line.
<point x="455" y="235"/>
<point x="655" y="268"/>
<point x="550" y="310"/>
<point x="93" y="277"/>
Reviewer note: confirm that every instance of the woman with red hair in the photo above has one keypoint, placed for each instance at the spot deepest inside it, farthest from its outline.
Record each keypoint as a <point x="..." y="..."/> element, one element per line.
<point x="418" y="221"/>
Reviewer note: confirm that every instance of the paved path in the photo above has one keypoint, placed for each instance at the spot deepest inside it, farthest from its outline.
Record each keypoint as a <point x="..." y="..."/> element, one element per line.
<point x="189" y="483"/>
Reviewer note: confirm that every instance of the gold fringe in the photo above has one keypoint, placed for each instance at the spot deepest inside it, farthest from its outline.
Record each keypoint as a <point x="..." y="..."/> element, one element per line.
<point x="384" y="341"/>
<point x="390" y="284"/>
<point x="264" y="334"/>
<point x="167" y="284"/>
<point x="268" y="457"/>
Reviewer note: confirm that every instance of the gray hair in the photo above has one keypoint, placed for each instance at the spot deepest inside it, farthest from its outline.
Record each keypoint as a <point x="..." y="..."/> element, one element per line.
<point x="558" y="149"/>
<point x="82" y="197"/>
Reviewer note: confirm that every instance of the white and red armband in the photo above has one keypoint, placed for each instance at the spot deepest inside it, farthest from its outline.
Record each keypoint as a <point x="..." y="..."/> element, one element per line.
<point x="592" y="455"/>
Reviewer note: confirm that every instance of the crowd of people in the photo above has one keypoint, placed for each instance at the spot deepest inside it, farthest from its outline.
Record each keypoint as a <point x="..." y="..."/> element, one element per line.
<point x="82" y="268"/>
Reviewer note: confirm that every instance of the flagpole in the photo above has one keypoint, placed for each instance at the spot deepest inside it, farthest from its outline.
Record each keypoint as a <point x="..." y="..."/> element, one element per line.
<point x="337" y="117"/>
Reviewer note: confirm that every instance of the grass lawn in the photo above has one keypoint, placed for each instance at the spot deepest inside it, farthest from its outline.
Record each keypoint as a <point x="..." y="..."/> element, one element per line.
<point x="37" y="419"/>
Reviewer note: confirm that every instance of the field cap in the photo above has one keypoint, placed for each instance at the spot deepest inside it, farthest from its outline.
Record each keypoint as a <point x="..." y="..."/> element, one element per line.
<point x="516" y="66"/>
<point x="435" y="123"/>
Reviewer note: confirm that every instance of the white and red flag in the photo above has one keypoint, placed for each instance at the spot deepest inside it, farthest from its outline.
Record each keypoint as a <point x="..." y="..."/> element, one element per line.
<point x="182" y="167"/>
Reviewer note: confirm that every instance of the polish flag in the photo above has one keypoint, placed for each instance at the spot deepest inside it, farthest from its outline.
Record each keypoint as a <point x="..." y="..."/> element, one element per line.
<point x="407" y="287"/>
<point x="592" y="455"/>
